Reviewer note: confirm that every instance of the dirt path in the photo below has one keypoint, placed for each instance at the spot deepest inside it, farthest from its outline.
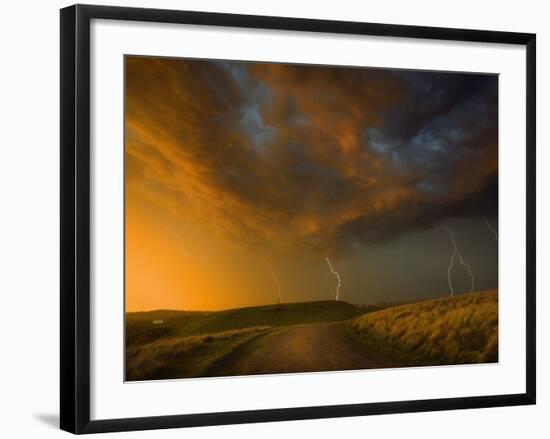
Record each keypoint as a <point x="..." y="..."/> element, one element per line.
<point x="302" y="348"/>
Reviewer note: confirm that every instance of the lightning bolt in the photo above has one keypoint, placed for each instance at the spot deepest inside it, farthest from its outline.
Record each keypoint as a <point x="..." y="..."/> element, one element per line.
<point x="182" y="246"/>
<point x="333" y="271"/>
<point x="274" y="277"/>
<point x="456" y="252"/>
<point x="469" y="271"/>
<point x="326" y="284"/>
<point x="493" y="231"/>
<point x="451" y="264"/>
<point x="176" y="235"/>
<point x="324" y="277"/>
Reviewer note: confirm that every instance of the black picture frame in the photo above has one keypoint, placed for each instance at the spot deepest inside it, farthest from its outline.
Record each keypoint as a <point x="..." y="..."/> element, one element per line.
<point x="75" y="217"/>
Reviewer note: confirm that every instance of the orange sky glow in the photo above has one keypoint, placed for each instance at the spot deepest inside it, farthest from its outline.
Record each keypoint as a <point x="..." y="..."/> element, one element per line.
<point x="237" y="172"/>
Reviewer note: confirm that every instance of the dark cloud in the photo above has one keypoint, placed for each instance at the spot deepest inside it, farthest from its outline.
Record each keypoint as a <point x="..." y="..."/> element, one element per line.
<point x="311" y="157"/>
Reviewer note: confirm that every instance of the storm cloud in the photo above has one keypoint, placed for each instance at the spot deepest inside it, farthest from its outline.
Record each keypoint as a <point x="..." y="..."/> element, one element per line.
<point x="318" y="158"/>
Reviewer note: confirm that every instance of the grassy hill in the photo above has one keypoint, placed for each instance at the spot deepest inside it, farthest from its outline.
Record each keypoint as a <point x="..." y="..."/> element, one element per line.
<point x="327" y="335"/>
<point x="140" y="328"/>
<point x="452" y="330"/>
<point x="187" y="343"/>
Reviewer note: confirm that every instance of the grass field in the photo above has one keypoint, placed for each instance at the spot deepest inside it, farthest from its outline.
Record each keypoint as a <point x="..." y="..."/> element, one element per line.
<point x="189" y="355"/>
<point x="453" y="330"/>
<point x="327" y="335"/>
<point x="187" y="343"/>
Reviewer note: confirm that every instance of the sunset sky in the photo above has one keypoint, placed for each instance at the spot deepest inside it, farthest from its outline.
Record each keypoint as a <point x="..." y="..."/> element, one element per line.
<point x="237" y="172"/>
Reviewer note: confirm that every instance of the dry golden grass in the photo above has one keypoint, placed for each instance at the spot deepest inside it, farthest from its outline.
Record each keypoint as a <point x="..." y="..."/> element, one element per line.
<point x="453" y="330"/>
<point x="143" y="360"/>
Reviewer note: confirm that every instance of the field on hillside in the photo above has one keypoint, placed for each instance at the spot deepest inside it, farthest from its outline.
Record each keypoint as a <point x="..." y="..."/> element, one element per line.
<point x="452" y="330"/>
<point x="312" y="336"/>
<point x="140" y="328"/>
<point x="187" y="343"/>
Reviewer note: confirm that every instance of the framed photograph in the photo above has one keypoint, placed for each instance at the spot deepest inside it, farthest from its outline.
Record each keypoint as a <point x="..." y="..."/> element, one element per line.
<point x="268" y="218"/>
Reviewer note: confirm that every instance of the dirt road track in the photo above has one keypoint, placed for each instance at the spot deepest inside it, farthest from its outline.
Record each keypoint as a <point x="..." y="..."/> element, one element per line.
<point x="302" y="348"/>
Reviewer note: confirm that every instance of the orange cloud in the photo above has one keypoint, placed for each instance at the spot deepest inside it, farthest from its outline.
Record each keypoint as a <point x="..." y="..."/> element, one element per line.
<point x="287" y="155"/>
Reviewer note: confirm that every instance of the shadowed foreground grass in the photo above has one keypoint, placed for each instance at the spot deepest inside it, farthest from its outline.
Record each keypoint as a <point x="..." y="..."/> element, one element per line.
<point x="155" y="359"/>
<point x="453" y="330"/>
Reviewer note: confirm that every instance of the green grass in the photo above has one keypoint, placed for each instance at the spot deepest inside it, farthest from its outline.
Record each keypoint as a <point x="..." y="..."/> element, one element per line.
<point x="187" y="343"/>
<point x="454" y="330"/>
<point x="184" y="356"/>
<point x="140" y="328"/>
